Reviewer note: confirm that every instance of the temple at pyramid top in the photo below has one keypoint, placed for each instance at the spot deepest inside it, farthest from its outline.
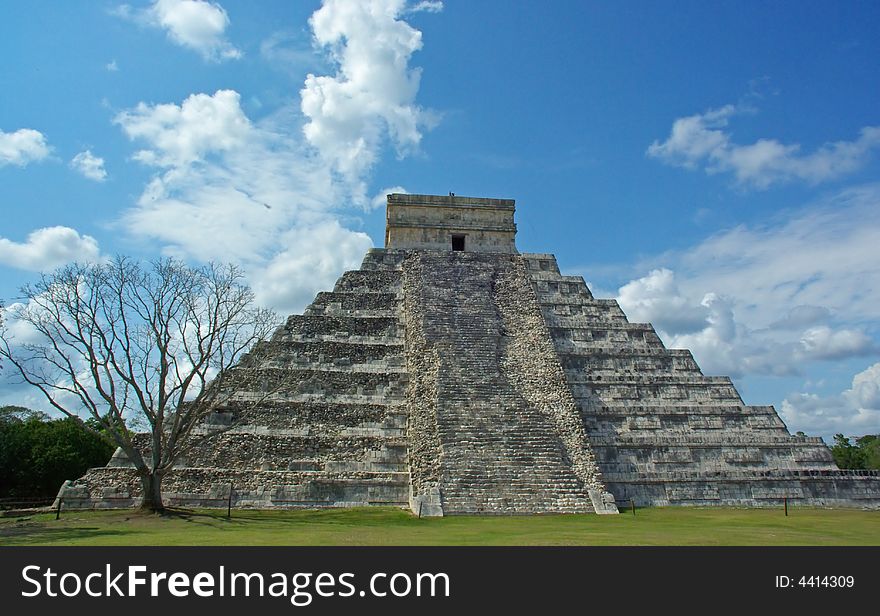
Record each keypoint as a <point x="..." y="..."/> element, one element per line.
<point x="450" y="223"/>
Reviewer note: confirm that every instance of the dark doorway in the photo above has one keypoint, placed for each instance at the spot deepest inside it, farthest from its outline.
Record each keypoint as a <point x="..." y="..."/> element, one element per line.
<point x="458" y="242"/>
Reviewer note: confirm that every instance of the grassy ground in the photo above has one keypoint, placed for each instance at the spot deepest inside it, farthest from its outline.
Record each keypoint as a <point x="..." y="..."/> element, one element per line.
<point x="381" y="526"/>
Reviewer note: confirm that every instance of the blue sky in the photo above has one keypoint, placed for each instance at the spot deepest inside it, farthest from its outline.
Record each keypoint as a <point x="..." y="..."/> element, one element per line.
<point x="713" y="166"/>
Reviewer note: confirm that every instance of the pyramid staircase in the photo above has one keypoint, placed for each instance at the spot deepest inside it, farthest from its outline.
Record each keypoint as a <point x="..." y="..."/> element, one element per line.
<point x="500" y="452"/>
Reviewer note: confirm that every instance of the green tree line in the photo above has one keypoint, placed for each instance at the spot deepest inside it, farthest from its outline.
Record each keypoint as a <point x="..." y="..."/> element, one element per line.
<point x="863" y="454"/>
<point x="37" y="454"/>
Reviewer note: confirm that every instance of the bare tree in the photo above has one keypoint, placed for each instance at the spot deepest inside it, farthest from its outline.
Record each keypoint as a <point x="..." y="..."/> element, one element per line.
<point x="121" y="341"/>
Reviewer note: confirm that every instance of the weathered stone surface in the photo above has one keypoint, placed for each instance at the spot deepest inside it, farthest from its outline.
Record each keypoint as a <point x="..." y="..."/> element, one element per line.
<point x="480" y="381"/>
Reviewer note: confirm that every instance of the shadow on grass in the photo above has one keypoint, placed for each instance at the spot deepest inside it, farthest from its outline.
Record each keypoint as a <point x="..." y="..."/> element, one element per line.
<point x="373" y="516"/>
<point x="212" y="518"/>
<point x="40" y="534"/>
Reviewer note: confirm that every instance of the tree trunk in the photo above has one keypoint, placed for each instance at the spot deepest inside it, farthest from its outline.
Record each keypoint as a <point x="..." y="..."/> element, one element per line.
<point x="151" y="483"/>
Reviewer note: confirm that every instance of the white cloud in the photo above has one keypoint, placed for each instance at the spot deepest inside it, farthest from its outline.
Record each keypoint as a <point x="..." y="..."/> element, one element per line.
<point x="24" y="146"/>
<point x="228" y="189"/>
<point x="704" y="324"/>
<point x="48" y="248"/>
<point x="701" y="140"/>
<point x="824" y="343"/>
<point x="288" y="51"/>
<point x="373" y="92"/>
<point x="802" y="316"/>
<point x="15" y="329"/>
<point x="195" y="24"/>
<point x="826" y="255"/>
<point x="865" y="390"/>
<point x="182" y="134"/>
<point x="112" y="66"/>
<point x="381" y="198"/>
<point x="694" y="138"/>
<point x="89" y="165"/>
<point x="656" y="298"/>
<point x="780" y="299"/>
<point x="855" y="411"/>
<point x="771" y="299"/>
<point x="225" y="186"/>
<point x="313" y="260"/>
<point x="428" y="6"/>
<point x="259" y="193"/>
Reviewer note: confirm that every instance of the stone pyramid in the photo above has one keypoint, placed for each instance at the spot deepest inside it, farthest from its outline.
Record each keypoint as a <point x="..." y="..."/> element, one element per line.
<point x="453" y="375"/>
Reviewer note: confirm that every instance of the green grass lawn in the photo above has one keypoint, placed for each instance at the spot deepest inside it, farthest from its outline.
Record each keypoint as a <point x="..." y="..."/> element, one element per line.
<point x="386" y="526"/>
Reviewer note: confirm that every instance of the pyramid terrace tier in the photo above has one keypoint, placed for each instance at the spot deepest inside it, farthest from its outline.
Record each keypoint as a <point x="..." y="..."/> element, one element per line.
<point x="354" y="304"/>
<point x="104" y="488"/>
<point x="611" y="360"/>
<point x="357" y="329"/>
<point x="702" y="439"/>
<point x="338" y="352"/>
<point x="370" y="449"/>
<point x="368" y="281"/>
<point x="631" y="464"/>
<point x="705" y="453"/>
<point x="600" y="330"/>
<point x="675" y="419"/>
<point x="307" y="413"/>
<point x="602" y="390"/>
<point x="579" y="314"/>
<point x="278" y="383"/>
